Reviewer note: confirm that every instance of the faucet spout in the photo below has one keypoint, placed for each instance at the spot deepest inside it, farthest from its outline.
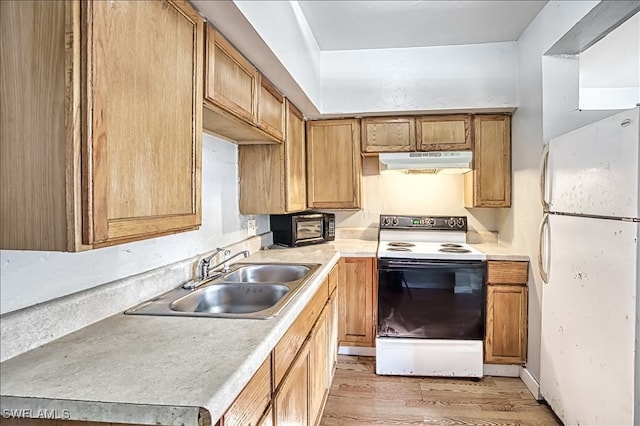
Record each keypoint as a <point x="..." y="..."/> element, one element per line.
<point x="204" y="266"/>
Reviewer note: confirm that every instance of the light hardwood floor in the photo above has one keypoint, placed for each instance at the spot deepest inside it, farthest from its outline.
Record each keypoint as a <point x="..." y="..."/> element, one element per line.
<point x="359" y="397"/>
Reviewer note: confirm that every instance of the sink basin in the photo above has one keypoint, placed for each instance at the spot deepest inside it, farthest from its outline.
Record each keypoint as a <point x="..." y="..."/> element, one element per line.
<point x="249" y="291"/>
<point x="272" y="273"/>
<point x="231" y="298"/>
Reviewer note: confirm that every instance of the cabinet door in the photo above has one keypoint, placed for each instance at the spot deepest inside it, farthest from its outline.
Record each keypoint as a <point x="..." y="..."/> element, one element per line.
<point x="250" y="405"/>
<point x="231" y="81"/>
<point x="385" y="134"/>
<point x="271" y="109"/>
<point x="318" y="361"/>
<point x="273" y="177"/>
<point x="143" y="140"/>
<point x="506" y="339"/>
<point x="443" y="133"/>
<point x="356" y="301"/>
<point x="333" y="164"/>
<point x="489" y="183"/>
<point x="291" y="404"/>
<point x="332" y="336"/>
<point x="295" y="161"/>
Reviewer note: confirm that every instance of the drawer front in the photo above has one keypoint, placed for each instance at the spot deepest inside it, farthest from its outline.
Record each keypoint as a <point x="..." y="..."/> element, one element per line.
<point x="507" y="272"/>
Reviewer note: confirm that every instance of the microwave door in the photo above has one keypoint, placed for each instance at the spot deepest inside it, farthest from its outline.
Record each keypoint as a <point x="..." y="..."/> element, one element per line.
<point x="309" y="230"/>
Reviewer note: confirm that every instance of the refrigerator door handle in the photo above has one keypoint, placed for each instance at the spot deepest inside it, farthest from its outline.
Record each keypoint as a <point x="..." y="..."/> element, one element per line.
<point x="541" y="263"/>
<point x="544" y="165"/>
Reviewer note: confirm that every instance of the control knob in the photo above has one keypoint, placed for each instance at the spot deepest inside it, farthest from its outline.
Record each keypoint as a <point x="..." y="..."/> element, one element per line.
<point x="394" y="221"/>
<point x="451" y="222"/>
<point x="460" y="222"/>
<point x="431" y="221"/>
<point x="386" y="221"/>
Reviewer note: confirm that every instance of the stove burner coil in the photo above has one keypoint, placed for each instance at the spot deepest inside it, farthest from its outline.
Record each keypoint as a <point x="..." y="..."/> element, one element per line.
<point x="450" y="245"/>
<point x="399" y="248"/>
<point x="454" y="250"/>
<point x="400" y="244"/>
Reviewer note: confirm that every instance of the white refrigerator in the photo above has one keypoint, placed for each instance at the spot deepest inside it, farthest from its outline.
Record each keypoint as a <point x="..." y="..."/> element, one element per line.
<point x="589" y="261"/>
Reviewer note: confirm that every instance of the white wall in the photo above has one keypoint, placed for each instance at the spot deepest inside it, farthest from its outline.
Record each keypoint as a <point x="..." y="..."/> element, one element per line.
<point x="413" y="195"/>
<point x="283" y="27"/>
<point x="420" y="78"/>
<point x="30" y="277"/>
<point x="548" y="106"/>
<point x="610" y="69"/>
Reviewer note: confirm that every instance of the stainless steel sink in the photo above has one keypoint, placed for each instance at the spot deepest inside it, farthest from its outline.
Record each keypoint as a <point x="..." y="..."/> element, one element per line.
<point x="256" y="291"/>
<point x="268" y="273"/>
<point x="231" y="298"/>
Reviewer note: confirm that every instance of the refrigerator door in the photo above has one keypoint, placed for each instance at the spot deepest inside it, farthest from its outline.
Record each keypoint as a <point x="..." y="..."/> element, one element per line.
<point x="594" y="170"/>
<point x="588" y="320"/>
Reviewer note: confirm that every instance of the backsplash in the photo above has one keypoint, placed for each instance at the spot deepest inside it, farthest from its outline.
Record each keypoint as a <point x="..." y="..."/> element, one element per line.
<point x="413" y="194"/>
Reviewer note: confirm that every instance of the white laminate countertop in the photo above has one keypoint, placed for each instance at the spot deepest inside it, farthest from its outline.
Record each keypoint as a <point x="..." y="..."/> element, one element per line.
<point x="165" y="370"/>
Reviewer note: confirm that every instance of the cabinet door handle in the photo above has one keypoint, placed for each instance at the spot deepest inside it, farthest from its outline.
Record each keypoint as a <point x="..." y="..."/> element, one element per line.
<point x="544" y="165"/>
<point x="544" y="274"/>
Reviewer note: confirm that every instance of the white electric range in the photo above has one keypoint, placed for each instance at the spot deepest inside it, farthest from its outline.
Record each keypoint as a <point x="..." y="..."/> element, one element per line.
<point x="431" y="298"/>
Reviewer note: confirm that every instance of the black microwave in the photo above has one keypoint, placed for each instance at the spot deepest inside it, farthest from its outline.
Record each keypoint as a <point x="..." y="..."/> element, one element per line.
<point x="300" y="229"/>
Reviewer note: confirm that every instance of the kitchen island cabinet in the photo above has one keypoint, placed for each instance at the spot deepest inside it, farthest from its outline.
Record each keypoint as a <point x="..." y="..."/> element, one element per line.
<point x="489" y="183"/>
<point x="506" y="320"/>
<point x="334" y="166"/>
<point x="102" y="142"/>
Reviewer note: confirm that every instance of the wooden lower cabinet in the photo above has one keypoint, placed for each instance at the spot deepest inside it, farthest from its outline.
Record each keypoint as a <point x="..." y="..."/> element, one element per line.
<point x="357" y="301"/>
<point x="291" y="402"/>
<point x="318" y="366"/>
<point x="254" y="399"/>
<point x="506" y="320"/>
<point x="267" y="419"/>
<point x="332" y="334"/>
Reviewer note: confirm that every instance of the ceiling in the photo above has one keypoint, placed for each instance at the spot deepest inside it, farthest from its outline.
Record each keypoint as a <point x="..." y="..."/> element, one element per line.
<point x="357" y="24"/>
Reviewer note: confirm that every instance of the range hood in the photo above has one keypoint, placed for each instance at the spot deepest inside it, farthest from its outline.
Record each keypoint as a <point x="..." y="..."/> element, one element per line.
<point x="427" y="162"/>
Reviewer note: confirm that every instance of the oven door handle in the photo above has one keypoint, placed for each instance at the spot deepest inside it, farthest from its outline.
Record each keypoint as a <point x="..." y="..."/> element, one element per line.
<point x="395" y="265"/>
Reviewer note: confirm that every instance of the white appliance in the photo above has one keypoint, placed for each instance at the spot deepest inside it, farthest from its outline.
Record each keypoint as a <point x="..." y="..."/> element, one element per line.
<point x="589" y="261"/>
<point x="451" y="161"/>
<point x="431" y="298"/>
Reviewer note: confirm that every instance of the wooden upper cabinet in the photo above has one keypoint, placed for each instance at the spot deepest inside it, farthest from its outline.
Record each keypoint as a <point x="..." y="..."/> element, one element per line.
<point x="271" y="109"/>
<point x="238" y="105"/>
<point x="101" y="144"/>
<point x="489" y="183"/>
<point x="143" y="138"/>
<point x="295" y="161"/>
<point x="273" y="177"/>
<point x="388" y="134"/>
<point x="506" y="320"/>
<point x="231" y="81"/>
<point x="334" y="166"/>
<point x="443" y="133"/>
<point x="357" y="301"/>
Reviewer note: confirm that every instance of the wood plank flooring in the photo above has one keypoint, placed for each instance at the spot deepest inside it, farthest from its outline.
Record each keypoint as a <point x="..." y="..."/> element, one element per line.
<point x="359" y="397"/>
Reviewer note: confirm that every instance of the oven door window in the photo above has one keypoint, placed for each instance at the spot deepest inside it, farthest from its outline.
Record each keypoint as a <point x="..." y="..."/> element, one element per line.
<point x="431" y="299"/>
<point x="309" y="230"/>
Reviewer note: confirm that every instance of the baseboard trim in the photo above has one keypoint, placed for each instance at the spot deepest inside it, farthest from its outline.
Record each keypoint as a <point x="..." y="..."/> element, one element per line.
<point x="501" y="370"/>
<point x="356" y="350"/>
<point x="531" y="383"/>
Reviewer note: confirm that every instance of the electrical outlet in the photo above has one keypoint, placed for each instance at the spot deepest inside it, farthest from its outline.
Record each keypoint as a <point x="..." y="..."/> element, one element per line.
<point x="252" y="228"/>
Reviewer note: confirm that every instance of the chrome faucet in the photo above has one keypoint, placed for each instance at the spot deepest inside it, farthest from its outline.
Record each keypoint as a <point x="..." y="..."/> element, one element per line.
<point x="203" y="265"/>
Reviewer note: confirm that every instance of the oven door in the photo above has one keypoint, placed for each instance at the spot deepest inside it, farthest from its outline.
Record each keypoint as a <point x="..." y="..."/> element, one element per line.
<point x="431" y="299"/>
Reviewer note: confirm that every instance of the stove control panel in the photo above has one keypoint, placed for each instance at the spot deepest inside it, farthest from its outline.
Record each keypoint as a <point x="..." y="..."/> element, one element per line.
<point x="437" y="223"/>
